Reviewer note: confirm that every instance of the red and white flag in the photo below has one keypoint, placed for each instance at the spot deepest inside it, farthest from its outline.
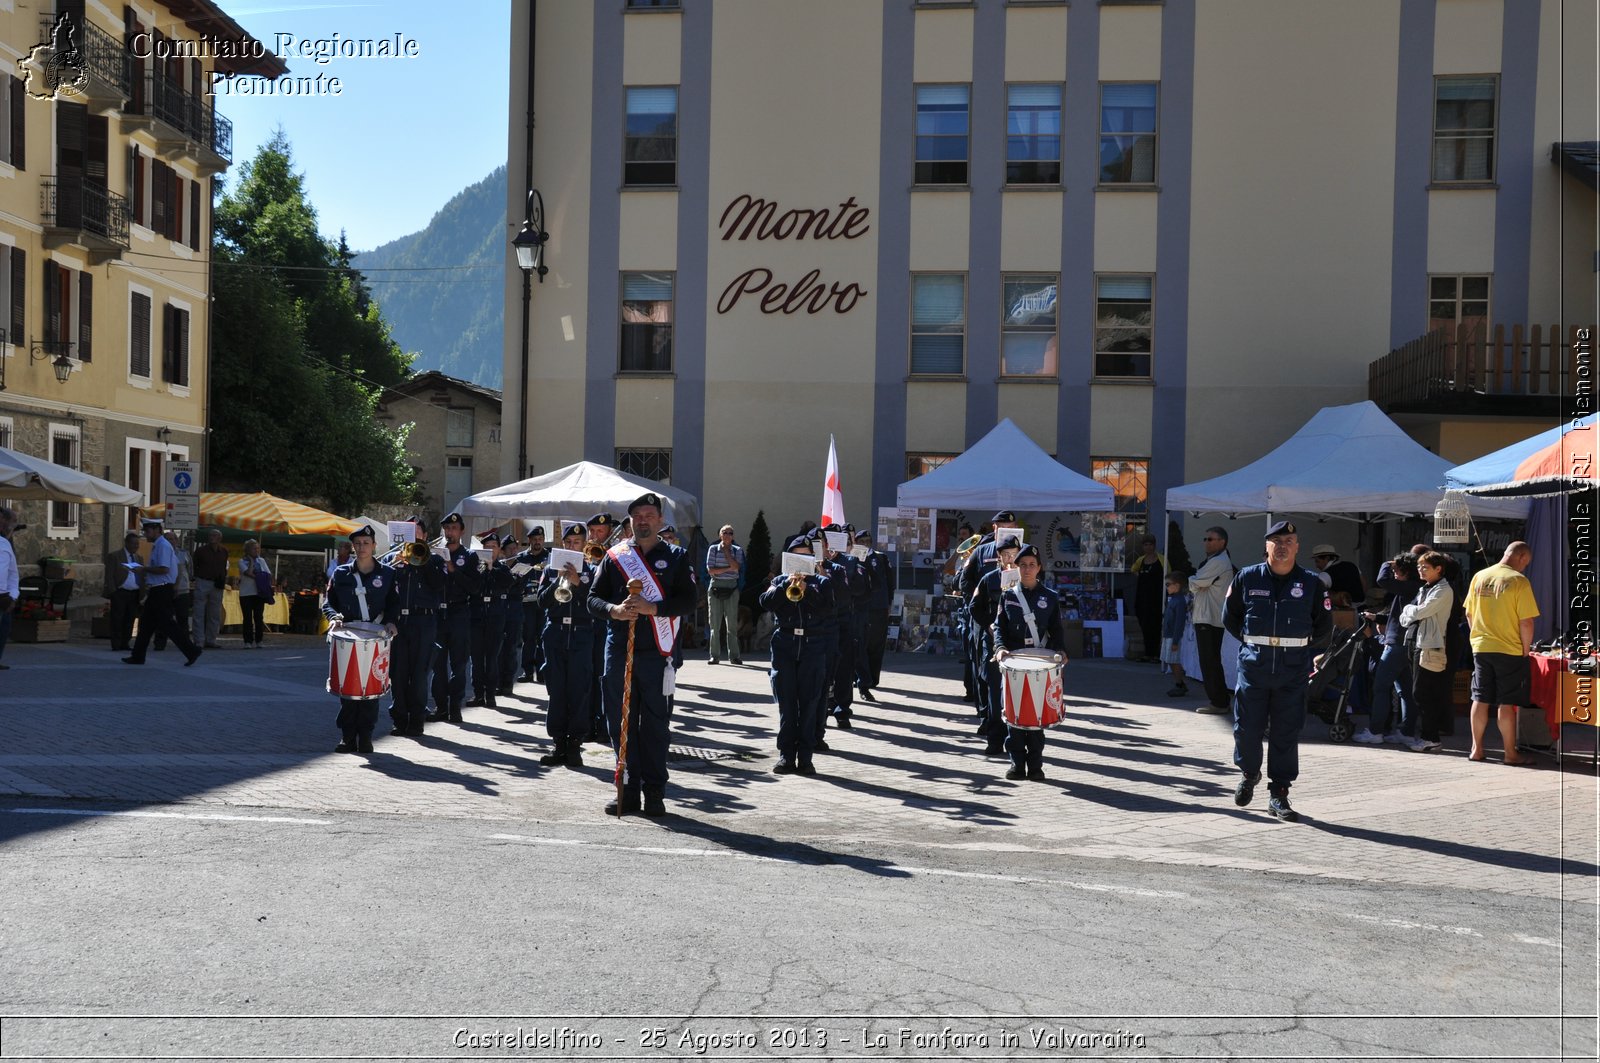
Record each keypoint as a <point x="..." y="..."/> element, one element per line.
<point x="832" y="497"/>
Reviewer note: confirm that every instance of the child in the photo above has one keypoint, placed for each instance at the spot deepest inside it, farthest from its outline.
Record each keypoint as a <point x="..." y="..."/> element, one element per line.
<point x="1173" y="620"/>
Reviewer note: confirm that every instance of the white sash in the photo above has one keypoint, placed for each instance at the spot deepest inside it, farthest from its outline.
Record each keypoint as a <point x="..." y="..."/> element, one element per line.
<point x="1027" y="616"/>
<point x="633" y="565"/>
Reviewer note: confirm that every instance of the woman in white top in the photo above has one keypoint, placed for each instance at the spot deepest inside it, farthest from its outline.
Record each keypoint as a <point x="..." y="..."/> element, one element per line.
<point x="251" y="602"/>
<point x="1426" y="621"/>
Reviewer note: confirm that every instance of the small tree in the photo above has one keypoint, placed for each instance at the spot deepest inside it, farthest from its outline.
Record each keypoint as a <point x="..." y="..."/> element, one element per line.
<point x="757" y="561"/>
<point x="1177" y="553"/>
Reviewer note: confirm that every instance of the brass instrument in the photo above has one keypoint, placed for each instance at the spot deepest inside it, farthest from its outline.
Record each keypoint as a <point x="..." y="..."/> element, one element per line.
<point x="796" y="590"/>
<point x="563" y="591"/>
<point x="594" y="552"/>
<point x="415" y="553"/>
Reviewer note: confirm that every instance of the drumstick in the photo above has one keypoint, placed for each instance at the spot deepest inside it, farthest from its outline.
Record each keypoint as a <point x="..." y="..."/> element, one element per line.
<point x="634" y="587"/>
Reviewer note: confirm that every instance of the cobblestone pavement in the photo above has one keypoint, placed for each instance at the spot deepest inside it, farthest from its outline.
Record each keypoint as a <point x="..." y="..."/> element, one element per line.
<point x="1133" y="775"/>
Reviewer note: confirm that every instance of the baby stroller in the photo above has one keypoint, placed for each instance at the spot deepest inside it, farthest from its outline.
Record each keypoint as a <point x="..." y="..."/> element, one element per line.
<point x="1338" y="676"/>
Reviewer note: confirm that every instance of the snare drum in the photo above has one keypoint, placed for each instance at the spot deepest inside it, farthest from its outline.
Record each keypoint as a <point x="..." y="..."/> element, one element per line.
<point x="1032" y="682"/>
<point x="358" y="661"/>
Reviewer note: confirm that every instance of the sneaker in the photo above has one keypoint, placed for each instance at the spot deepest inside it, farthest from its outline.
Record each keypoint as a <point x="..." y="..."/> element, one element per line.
<point x="1367" y="738"/>
<point x="1427" y="747"/>
<point x="1214" y="710"/>
<point x="1395" y="738"/>
<point x="1278" y="806"/>
<point x="1417" y="745"/>
<point x="712" y="660"/>
<point x="1246" y="790"/>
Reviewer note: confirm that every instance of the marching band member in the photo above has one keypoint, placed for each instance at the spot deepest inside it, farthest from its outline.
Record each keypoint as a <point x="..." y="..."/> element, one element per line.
<point x="856" y="593"/>
<point x="535" y="556"/>
<point x="418" y="590"/>
<point x="799" y="659"/>
<point x="359" y="589"/>
<point x="454" y="638"/>
<point x="983" y="608"/>
<point x="599" y="527"/>
<point x="881" y="580"/>
<point x="980" y="561"/>
<point x="508" y="655"/>
<point x="1028" y="617"/>
<point x="667" y="593"/>
<point x="489" y="608"/>
<point x="833" y="634"/>
<point x="568" y="639"/>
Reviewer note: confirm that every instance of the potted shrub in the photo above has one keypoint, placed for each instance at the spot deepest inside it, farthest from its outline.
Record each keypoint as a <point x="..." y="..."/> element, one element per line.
<point x="36" y="621"/>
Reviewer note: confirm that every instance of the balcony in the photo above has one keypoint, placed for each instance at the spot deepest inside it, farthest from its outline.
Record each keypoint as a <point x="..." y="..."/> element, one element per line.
<point x="89" y="65"/>
<point x="182" y="124"/>
<point x="1478" y="369"/>
<point x="78" y="213"/>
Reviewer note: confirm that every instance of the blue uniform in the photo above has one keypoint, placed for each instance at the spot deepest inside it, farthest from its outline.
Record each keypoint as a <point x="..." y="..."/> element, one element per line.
<point x="568" y="656"/>
<point x="880" y="597"/>
<point x="799" y="662"/>
<point x="980" y="649"/>
<point x="453" y="643"/>
<point x="1012" y="630"/>
<point x="413" y="610"/>
<point x="832" y="624"/>
<point x="853" y="594"/>
<point x="650" y="713"/>
<point x="982" y="610"/>
<point x="489" y="609"/>
<point x="1278" y="621"/>
<point x="532" y="658"/>
<point x="359" y="596"/>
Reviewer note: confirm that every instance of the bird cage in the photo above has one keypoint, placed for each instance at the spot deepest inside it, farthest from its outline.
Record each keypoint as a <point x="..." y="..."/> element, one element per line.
<point x="1452" y="520"/>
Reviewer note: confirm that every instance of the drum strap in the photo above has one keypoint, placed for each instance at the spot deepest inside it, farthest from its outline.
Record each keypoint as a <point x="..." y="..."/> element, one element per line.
<point x="361" y="596"/>
<point x="1027" y="616"/>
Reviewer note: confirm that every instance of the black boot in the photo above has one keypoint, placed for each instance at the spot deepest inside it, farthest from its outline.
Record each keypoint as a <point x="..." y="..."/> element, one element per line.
<point x="557" y="755"/>
<point x="574" y="754"/>
<point x="455" y="712"/>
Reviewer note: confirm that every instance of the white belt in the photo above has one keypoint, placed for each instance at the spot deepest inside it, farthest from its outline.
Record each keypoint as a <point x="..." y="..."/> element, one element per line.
<point x="566" y="620"/>
<point x="800" y="632"/>
<point x="1273" y="640"/>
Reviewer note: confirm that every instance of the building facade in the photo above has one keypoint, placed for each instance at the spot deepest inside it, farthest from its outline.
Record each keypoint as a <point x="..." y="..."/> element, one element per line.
<point x="1158" y="236"/>
<point x="108" y="144"/>
<point x="454" y="444"/>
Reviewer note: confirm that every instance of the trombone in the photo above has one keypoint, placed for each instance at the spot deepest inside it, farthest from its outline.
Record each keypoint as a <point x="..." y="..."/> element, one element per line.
<point x="594" y="552"/>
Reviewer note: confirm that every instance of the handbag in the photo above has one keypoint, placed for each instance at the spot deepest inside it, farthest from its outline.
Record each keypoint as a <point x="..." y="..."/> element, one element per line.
<point x="1433" y="660"/>
<point x="264" y="588"/>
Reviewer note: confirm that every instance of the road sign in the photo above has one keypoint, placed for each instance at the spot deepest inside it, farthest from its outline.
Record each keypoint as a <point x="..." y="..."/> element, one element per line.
<point x="183" y="495"/>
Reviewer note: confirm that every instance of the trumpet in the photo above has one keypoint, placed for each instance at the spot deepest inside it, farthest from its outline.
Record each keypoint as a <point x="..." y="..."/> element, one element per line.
<point x="415" y="553"/>
<point x="796" y="590"/>
<point x="563" y="592"/>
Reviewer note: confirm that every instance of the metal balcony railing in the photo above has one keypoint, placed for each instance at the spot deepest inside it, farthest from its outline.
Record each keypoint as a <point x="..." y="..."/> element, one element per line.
<point x="187" y="114"/>
<point x="99" y="53"/>
<point x="80" y="205"/>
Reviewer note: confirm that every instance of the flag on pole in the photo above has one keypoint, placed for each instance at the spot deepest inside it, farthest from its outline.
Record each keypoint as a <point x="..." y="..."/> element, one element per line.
<point x="832" y="496"/>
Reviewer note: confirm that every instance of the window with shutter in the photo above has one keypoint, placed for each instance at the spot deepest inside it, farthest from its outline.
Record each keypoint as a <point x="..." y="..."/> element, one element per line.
<point x="85" y="351"/>
<point x="169" y="367"/>
<point x="177" y="208"/>
<point x="158" y="195"/>
<point x="194" y="216"/>
<point x="52" y="308"/>
<point x="136" y="69"/>
<point x="177" y="343"/>
<point x="19" y="295"/>
<point x="136" y="181"/>
<point x="139" y="335"/>
<point x="18" y="123"/>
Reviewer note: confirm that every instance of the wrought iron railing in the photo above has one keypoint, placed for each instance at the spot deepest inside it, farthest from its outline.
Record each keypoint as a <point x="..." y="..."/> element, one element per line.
<point x="189" y="115"/>
<point x="74" y="203"/>
<point x="100" y="53"/>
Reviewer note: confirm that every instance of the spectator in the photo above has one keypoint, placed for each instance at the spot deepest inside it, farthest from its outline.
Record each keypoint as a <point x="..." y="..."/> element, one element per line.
<point x="1427" y="621"/>
<point x="343" y="558"/>
<point x="1210" y="588"/>
<point x="1501" y="610"/>
<point x="1342" y="578"/>
<point x="725" y="567"/>
<point x="10" y="581"/>
<point x="183" y="589"/>
<point x="210" y="578"/>
<point x="252" y="603"/>
<point x="122" y="587"/>
<point x="1398" y="577"/>
<point x="1149" y="576"/>
<point x="1173" y="620"/>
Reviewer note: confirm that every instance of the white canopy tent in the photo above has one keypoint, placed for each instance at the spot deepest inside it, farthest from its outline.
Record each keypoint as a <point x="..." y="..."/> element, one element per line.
<point x="1347" y="461"/>
<point x="577" y="491"/>
<point x="26" y="477"/>
<point x="1006" y="470"/>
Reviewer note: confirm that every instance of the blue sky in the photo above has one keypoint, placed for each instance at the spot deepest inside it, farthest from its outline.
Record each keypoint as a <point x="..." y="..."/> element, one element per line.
<point x="403" y="135"/>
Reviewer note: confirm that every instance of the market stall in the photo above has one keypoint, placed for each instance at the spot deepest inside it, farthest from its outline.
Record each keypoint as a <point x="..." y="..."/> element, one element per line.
<point x="576" y="492"/>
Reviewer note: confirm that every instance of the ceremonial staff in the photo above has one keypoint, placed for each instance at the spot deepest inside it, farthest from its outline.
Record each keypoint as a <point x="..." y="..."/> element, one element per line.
<point x="634" y="587"/>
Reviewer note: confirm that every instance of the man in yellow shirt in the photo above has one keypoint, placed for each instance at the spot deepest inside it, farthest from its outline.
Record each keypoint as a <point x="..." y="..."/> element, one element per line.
<point x="1501" y="610"/>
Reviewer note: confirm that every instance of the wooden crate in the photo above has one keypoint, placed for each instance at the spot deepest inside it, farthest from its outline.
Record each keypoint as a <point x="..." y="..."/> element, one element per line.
<point x="30" y="630"/>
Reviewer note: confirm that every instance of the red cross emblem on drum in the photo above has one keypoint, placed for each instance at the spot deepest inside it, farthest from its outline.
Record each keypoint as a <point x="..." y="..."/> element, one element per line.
<point x="358" y="661"/>
<point x="1032" y="684"/>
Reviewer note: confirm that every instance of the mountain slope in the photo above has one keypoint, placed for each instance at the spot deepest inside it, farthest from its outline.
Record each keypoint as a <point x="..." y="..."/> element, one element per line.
<point x="454" y="320"/>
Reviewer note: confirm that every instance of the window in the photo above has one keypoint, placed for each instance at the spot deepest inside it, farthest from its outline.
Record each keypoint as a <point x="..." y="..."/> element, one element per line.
<point x="1456" y="301"/>
<point x="59" y="308"/>
<point x="651" y="464"/>
<point x="175" y="345"/>
<point x="938" y="323"/>
<point x="650" y="148"/>
<point x="1033" y="134"/>
<point x="1122" y="326"/>
<point x="921" y="464"/>
<point x="942" y="124"/>
<point x="13" y="120"/>
<point x="147" y="472"/>
<point x="1129" y="480"/>
<point x="1028" y="325"/>
<point x="1463" y="128"/>
<point x="647" y="322"/>
<point x="457" y="478"/>
<point x="1127" y="133"/>
<point x="14" y="292"/>
<point x="139" y="334"/>
<point x="459" y="429"/>
<point x="64" y="442"/>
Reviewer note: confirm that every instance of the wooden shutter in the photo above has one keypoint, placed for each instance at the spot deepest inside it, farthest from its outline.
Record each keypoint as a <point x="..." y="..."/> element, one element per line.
<point x="194" y="216"/>
<point x="158" y="196"/>
<point x="180" y="346"/>
<point x="140" y="335"/>
<point x="85" y="316"/>
<point x="136" y="184"/>
<point x="19" y="296"/>
<point x="19" y="138"/>
<point x="169" y="371"/>
<point x="130" y="30"/>
<point x="52" y="308"/>
<point x="174" y="205"/>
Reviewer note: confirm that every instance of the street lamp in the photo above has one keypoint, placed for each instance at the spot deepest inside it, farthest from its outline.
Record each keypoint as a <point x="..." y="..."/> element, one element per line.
<point x="62" y="365"/>
<point x="531" y="240"/>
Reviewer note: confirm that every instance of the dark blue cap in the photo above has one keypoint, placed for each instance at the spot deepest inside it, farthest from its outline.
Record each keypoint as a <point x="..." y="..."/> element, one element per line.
<point x="1004" y="515"/>
<point x="649" y="498"/>
<point x="1283" y="527"/>
<point x="604" y="518"/>
<point x="453" y="517"/>
<point x="489" y="537"/>
<point x="364" y="530"/>
<point x="574" y="529"/>
<point x="1029" y="551"/>
<point x="799" y="542"/>
<point x="1003" y="541"/>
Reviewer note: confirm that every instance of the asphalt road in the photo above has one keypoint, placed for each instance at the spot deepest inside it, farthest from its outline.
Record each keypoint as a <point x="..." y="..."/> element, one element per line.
<point x="212" y="933"/>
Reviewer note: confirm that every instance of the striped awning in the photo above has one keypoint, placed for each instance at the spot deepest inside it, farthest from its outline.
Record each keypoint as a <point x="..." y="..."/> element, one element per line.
<point x="261" y="512"/>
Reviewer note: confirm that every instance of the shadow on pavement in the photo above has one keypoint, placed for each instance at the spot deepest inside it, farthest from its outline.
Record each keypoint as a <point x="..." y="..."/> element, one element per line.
<point x="1535" y="862"/>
